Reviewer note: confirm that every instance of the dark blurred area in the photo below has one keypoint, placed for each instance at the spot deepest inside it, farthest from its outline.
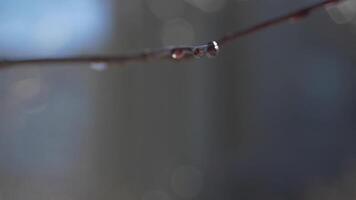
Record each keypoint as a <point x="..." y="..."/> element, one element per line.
<point x="272" y="117"/>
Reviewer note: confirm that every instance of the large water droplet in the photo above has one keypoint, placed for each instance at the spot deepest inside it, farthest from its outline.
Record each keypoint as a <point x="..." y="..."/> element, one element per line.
<point x="212" y="49"/>
<point x="177" y="54"/>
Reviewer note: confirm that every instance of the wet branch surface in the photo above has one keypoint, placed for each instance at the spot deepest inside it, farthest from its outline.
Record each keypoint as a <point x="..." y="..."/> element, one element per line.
<point x="209" y="49"/>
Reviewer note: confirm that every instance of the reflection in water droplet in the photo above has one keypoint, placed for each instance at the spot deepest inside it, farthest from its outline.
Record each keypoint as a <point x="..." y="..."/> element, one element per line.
<point x="99" y="66"/>
<point x="177" y="54"/>
<point x="198" y="52"/>
<point x="212" y="49"/>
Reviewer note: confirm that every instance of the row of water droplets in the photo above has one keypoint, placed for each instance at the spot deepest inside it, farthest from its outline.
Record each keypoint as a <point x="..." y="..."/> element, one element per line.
<point x="210" y="50"/>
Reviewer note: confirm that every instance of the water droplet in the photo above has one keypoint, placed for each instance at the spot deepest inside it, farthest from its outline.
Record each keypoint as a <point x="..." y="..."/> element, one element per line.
<point x="212" y="49"/>
<point x="99" y="66"/>
<point x="177" y="54"/>
<point x="198" y="52"/>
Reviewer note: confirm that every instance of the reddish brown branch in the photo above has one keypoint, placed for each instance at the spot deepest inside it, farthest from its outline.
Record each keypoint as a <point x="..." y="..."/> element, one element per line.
<point x="293" y="16"/>
<point x="180" y="52"/>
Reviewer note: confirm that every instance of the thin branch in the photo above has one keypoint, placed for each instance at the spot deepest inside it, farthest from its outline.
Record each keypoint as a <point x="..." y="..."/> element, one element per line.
<point x="179" y="52"/>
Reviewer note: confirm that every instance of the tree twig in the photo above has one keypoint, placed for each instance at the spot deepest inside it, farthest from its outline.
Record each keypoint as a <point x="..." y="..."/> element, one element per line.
<point x="178" y="52"/>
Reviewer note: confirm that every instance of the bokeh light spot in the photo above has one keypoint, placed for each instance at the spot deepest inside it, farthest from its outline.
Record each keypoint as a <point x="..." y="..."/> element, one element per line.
<point x="177" y="31"/>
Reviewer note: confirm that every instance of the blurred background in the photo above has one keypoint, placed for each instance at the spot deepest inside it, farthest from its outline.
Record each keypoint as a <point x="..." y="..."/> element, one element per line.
<point x="273" y="116"/>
